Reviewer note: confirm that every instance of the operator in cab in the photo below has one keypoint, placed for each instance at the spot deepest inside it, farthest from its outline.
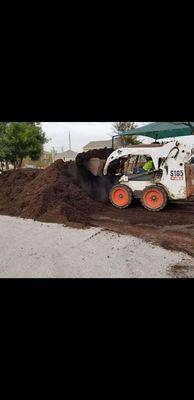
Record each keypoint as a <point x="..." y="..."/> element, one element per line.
<point x="148" y="166"/>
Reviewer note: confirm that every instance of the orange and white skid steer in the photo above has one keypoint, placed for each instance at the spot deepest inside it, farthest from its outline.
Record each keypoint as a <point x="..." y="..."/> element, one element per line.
<point x="171" y="177"/>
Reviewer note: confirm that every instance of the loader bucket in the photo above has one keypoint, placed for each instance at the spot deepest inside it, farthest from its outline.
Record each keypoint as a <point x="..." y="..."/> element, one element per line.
<point x="95" y="165"/>
<point x="93" y="160"/>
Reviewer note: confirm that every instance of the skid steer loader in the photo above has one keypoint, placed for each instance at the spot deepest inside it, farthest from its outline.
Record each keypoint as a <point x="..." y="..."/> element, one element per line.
<point x="171" y="178"/>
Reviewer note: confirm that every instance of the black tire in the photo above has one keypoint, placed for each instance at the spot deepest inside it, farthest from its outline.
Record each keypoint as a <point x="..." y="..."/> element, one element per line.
<point x="127" y="196"/>
<point x="162" y="198"/>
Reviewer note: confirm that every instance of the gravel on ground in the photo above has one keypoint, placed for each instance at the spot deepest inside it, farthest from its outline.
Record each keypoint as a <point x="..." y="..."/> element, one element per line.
<point x="31" y="249"/>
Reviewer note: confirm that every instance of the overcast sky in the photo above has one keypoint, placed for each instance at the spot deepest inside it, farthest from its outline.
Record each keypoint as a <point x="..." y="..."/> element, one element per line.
<point x="82" y="133"/>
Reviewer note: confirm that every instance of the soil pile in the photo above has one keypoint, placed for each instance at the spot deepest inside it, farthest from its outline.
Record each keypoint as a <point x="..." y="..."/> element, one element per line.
<point x="50" y="195"/>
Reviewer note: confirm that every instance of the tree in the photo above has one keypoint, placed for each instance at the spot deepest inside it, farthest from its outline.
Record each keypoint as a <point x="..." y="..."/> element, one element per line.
<point x="120" y="127"/>
<point x="3" y="149"/>
<point x="123" y="126"/>
<point x="21" y="139"/>
<point x="3" y="127"/>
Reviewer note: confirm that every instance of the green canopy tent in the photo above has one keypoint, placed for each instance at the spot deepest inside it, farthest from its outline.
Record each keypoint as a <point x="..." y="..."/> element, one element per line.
<point x="162" y="130"/>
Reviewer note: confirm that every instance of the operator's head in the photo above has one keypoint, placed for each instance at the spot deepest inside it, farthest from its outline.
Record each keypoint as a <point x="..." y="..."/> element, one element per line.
<point x="149" y="158"/>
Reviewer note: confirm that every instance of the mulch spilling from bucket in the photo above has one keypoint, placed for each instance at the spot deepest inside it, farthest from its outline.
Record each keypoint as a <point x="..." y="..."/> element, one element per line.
<point x="103" y="154"/>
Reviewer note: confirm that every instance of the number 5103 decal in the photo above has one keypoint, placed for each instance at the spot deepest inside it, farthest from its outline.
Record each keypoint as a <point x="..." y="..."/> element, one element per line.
<point x="176" y="174"/>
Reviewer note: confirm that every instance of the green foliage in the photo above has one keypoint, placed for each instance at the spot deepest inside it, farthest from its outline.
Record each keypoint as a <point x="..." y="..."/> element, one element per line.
<point x="3" y="127"/>
<point x="123" y="126"/>
<point x="19" y="140"/>
<point x="120" y="127"/>
<point x="3" y="148"/>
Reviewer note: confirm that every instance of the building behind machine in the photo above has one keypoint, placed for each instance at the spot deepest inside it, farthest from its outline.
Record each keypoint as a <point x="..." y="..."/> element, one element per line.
<point x="98" y="144"/>
<point x="68" y="155"/>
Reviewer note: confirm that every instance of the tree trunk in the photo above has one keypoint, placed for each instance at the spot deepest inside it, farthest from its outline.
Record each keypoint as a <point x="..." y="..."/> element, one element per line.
<point x="7" y="164"/>
<point x="20" y="162"/>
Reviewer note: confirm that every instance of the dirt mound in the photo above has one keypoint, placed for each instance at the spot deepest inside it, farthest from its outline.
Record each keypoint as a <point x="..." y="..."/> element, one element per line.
<point x="50" y="195"/>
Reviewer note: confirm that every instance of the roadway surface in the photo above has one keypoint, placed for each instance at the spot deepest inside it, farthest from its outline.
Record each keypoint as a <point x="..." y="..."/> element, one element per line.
<point x="30" y="249"/>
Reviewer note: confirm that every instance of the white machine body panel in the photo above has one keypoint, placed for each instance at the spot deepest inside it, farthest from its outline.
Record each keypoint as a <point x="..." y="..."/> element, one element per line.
<point x="170" y="158"/>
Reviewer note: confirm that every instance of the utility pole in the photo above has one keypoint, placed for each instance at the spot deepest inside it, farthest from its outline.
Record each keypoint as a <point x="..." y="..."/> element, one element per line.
<point x="53" y="154"/>
<point x="69" y="141"/>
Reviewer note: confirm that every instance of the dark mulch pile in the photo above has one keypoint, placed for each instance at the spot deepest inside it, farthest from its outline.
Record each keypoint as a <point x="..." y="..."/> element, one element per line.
<point x="50" y="195"/>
